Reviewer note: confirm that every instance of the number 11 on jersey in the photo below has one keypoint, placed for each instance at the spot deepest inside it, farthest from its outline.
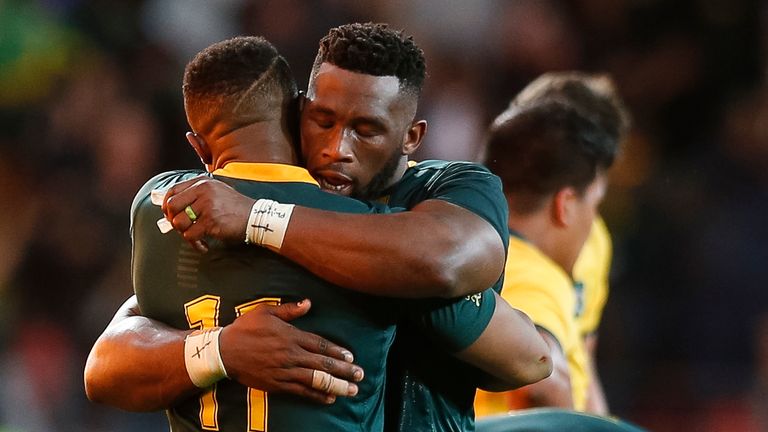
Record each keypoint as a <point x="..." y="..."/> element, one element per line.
<point x="201" y="313"/>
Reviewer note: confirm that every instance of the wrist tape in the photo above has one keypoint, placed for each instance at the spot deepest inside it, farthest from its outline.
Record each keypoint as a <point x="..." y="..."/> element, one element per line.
<point x="203" y="358"/>
<point x="267" y="223"/>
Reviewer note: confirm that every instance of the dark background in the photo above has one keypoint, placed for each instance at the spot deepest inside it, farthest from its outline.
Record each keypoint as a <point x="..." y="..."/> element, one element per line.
<point x="90" y="108"/>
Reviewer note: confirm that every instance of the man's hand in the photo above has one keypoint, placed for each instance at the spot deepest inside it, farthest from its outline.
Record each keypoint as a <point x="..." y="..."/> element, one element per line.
<point x="218" y="211"/>
<point x="261" y="350"/>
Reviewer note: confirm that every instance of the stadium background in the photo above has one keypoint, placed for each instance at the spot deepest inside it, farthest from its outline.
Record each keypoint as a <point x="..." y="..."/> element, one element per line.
<point x="90" y="107"/>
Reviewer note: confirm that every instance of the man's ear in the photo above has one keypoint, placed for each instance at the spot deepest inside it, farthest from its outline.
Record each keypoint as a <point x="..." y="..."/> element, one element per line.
<point x="414" y="137"/>
<point x="201" y="148"/>
<point x="563" y="203"/>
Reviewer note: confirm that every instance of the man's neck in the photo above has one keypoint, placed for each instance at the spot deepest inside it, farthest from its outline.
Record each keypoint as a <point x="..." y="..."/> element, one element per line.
<point x="260" y="142"/>
<point x="537" y="230"/>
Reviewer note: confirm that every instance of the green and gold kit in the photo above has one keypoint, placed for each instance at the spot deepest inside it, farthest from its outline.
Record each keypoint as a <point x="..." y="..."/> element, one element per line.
<point x="186" y="289"/>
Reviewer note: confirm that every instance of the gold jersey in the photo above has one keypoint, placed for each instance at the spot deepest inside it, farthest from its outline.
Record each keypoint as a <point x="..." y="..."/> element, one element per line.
<point x="567" y="309"/>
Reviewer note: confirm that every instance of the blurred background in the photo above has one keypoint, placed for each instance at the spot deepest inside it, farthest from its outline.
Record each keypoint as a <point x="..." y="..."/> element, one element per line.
<point x="90" y="108"/>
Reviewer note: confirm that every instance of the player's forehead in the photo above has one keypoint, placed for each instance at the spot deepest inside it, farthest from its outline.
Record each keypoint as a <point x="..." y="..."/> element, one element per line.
<point x="339" y="90"/>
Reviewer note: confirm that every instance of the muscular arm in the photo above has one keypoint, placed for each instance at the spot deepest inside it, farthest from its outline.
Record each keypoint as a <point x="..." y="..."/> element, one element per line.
<point x="137" y="364"/>
<point x="510" y="349"/>
<point x="596" y="402"/>
<point x="437" y="249"/>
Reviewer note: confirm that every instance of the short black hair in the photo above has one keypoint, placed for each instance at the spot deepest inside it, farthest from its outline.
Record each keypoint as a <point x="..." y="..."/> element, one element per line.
<point x="237" y="81"/>
<point x="374" y="49"/>
<point x="542" y="147"/>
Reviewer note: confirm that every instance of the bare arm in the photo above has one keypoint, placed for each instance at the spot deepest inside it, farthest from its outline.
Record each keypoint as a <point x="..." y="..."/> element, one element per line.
<point x="510" y="349"/>
<point x="137" y="364"/>
<point x="555" y="391"/>
<point x="596" y="402"/>
<point x="124" y="365"/>
<point x="437" y="249"/>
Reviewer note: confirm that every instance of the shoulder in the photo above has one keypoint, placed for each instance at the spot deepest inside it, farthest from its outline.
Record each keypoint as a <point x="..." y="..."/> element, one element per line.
<point x="526" y="263"/>
<point x="434" y="170"/>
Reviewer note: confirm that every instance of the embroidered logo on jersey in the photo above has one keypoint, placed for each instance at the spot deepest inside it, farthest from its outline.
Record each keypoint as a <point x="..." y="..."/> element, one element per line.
<point x="578" y="288"/>
<point x="475" y="298"/>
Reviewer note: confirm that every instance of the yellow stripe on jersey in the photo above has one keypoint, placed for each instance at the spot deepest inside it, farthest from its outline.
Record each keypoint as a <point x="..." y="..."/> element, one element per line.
<point x="265" y="172"/>
<point x="592" y="269"/>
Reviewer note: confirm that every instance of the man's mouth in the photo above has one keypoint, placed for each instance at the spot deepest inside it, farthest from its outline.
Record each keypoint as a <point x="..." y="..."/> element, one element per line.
<point x="334" y="181"/>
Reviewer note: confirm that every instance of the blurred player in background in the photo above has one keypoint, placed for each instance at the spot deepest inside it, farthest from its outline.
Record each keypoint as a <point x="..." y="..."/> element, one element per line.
<point x="552" y="148"/>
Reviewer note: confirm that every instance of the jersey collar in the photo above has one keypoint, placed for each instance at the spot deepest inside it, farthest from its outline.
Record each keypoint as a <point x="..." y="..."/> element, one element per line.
<point x="266" y="172"/>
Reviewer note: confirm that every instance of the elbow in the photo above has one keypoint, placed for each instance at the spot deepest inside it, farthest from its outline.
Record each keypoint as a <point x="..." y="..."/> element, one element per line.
<point x="464" y="269"/>
<point x="533" y="370"/>
<point x="446" y="281"/>
<point x="104" y="385"/>
<point x="451" y="275"/>
<point x="439" y="273"/>
<point x="95" y="387"/>
<point x="542" y="370"/>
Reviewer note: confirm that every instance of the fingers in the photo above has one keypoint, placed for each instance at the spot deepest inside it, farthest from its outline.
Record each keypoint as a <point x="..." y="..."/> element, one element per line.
<point x="327" y="383"/>
<point x="311" y="342"/>
<point x="177" y="200"/>
<point x="181" y="220"/>
<point x="340" y="369"/>
<point x="291" y="311"/>
<point x="308" y="392"/>
<point x="318" y="345"/>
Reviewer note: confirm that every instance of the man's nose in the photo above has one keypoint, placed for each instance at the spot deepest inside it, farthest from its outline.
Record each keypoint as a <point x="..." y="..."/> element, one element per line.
<point x="339" y="147"/>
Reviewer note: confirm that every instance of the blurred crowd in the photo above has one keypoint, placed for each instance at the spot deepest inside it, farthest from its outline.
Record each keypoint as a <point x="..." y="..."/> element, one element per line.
<point x="90" y="108"/>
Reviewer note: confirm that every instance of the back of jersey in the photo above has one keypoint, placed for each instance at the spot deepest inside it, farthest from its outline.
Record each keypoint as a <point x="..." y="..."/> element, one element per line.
<point x="186" y="289"/>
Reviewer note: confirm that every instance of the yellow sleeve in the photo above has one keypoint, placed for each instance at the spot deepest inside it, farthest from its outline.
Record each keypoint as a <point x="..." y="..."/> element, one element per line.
<point x="592" y="269"/>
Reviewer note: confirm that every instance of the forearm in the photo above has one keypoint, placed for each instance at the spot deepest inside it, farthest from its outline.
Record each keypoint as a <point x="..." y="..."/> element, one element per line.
<point x="137" y="364"/>
<point x="437" y="250"/>
<point x="510" y="349"/>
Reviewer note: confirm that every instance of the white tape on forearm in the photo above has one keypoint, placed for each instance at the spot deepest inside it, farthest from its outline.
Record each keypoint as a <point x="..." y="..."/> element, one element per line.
<point x="203" y="358"/>
<point x="268" y="222"/>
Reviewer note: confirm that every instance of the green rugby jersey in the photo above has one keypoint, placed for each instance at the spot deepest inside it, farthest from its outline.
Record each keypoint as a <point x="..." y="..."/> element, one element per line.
<point x="428" y="389"/>
<point x="186" y="289"/>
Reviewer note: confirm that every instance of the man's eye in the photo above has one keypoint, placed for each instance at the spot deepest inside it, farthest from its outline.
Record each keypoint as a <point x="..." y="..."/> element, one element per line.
<point x="324" y="124"/>
<point x="366" y="131"/>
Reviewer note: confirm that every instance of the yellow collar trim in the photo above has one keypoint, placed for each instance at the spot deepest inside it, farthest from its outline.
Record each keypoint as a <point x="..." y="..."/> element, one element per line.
<point x="266" y="172"/>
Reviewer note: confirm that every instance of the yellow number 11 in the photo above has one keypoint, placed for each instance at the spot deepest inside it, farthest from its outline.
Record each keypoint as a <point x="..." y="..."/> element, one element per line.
<point x="203" y="312"/>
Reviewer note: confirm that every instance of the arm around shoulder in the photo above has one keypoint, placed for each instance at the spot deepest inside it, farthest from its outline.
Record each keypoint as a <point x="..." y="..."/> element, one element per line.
<point x="438" y="249"/>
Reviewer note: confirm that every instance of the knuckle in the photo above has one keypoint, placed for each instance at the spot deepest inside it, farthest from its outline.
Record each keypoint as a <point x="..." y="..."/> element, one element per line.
<point x="328" y="364"/>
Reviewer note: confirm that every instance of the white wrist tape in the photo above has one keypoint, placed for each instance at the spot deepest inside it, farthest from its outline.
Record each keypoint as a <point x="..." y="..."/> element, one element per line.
<point x="267" y="223"/>
<point x="203" y="358"/>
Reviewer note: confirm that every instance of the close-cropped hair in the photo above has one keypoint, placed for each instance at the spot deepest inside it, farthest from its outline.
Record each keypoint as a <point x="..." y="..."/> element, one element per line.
<point x="540" y="148"/>
<point x="374" y="49"/>
<point x="236" y="82"/>
<point x="594" y="94"/>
